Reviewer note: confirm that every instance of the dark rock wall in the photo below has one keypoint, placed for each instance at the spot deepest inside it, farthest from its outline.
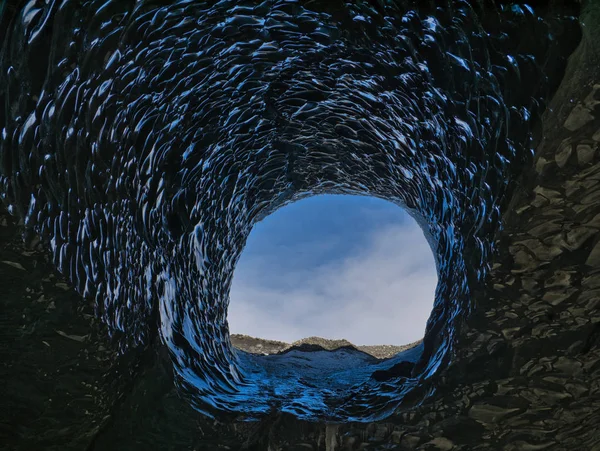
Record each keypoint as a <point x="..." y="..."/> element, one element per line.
<point x="524" y="371"/>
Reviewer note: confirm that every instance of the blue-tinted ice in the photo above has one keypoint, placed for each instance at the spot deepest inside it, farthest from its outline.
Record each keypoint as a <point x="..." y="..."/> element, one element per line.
<point x="143" y="139"/>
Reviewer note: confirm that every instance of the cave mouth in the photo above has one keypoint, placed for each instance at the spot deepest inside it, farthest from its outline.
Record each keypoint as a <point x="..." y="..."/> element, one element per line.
<point x="333" y="271"/>
<point x="186" y="154"/>
<point x="308" y="382"/>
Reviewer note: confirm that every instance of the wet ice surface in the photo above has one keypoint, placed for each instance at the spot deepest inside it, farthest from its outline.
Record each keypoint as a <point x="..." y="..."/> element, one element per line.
<point x="330" y="376"/>
<point x="142" y="142"/>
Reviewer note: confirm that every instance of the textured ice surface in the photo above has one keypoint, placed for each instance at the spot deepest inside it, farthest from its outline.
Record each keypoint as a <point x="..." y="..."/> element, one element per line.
<point x="143" y="139"/>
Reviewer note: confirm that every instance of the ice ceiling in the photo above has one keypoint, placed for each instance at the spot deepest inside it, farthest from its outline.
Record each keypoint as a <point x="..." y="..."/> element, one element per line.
<point x="144" y="139"/>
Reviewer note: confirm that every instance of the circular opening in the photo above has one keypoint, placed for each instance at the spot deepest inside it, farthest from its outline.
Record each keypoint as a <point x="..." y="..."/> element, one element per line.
<point x="308" y="381"/>
<point x="351" y="269"/>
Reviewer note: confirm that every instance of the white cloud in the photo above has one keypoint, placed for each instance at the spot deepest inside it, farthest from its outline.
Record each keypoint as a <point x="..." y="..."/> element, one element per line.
<point x="382" y="295"/>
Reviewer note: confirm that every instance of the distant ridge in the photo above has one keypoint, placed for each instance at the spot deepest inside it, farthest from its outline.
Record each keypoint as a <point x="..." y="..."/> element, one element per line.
<point x="265" y="347"/>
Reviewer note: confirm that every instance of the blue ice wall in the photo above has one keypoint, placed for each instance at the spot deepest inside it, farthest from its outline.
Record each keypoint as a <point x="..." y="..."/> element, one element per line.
<point x="144" y="139"/>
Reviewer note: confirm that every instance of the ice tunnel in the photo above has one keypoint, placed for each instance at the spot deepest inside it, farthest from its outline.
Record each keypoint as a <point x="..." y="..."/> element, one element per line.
<point x="143" y="140"/>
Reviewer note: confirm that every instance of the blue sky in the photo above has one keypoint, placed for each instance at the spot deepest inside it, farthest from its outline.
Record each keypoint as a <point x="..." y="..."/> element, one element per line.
<point x="335" y="266"/>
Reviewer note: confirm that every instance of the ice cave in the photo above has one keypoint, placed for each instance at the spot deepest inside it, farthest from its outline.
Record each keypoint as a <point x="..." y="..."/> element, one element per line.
<point x="141" y="142"/>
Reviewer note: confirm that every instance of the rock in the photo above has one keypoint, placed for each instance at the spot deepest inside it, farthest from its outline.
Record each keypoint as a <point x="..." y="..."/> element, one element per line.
<point x="545" y="229"/>
<point x="541" y="164"/>
<point x="490" y="414"/>
<point x="541" y="251"/>
<point x="585" y="153"/>
<point x="594" y="222"/>
<point x="410" y="440"/>
<point x="530" y="285"/>
<point x="396" y="437"/>
<point x="580" y="116"/>
<point x="592" y="197"/>
<point x="551" y="397"/>
<point x="521" y="445"/>
<point x="576" y="237"/>
<point x="560" y="278"/>
<point x="554" y="197"/>
<point x="441" y="444"/>
<point x="557" y="297"/>
<point x="594" y="256"/>
<point x="563" y="153"/>
<point x="592" y="281"/>
<point x="79" y="338"/>
<point x="568" y="366"/>
<point x="524" y="261"/>
<point x="14" y="265"/>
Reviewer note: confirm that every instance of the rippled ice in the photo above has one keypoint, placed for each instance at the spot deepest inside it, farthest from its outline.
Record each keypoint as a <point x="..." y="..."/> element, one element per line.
<point x="143" y="140"/>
